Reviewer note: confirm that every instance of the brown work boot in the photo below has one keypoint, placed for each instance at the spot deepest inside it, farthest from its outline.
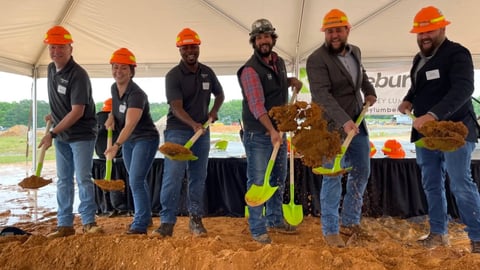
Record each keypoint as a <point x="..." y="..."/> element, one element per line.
<point x="434" y="240"/>
<point x="91" y="228"/>
<point x="356" y="231"/>
<point x="283" y="228"/>
<point x="62" y="231"/>
<point x="334" y="240"/>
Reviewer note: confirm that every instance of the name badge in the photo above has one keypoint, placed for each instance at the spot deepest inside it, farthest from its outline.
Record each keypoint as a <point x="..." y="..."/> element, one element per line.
<point x="206" y="85"/>
<point x="432" y="74"/>
<point x="122" y="108"/>
<point x="61" y="89"/>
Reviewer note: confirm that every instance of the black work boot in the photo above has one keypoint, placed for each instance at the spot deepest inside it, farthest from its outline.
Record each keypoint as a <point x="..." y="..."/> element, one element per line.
<point x="196" y="226"/>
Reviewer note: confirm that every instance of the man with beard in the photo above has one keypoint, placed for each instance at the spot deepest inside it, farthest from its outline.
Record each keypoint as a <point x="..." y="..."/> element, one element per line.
<point x="264" y="84"/>
<point x="189" y="87"/>
<point x="337" y="80"/>
<point x="442" y="84"/>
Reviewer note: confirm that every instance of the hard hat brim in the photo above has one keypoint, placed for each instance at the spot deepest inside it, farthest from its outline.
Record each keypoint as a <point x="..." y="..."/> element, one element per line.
<point x="429" y="27"/>
<point x="334" y="25"/>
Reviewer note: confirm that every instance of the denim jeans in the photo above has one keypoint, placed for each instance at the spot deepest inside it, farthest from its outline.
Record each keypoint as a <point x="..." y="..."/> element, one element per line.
<point x="434" y="166"/>
<point x="357" y="156"/>
<point x="175" y="171"/>
<point x="138" y="157"/>
<point x="75" y="158"/>
<point x="258" y="149"/>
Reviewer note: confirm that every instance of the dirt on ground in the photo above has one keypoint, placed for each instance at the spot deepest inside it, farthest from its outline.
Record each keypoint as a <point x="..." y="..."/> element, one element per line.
<point x="391" y="244"/>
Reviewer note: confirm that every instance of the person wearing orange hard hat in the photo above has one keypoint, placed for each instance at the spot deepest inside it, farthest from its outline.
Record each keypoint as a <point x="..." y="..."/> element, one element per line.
<point x="72" y="113"/>
<point x="340" y="85"/>
<point x="393" y="149"/>
<point x="442" y="84"/>
<point x="107" y="105"/>
<point x="137" y="135"/>
<point x="189" y="87"/>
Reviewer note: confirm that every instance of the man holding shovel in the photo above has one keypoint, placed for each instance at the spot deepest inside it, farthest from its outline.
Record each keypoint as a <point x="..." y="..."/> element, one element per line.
<point x="337" y="80"/>
<point x="72" y="112"/>
<point x="189" y="87"/>
<point x="442" y="85"/>
<point x="264" y="84"/>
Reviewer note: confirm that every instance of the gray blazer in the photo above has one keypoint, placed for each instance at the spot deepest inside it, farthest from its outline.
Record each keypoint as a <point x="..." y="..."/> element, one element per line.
<point x="332" y="86"/>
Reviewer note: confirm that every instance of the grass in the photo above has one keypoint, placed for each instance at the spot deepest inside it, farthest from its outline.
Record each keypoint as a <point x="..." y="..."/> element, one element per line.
<point x="13" y="149"/>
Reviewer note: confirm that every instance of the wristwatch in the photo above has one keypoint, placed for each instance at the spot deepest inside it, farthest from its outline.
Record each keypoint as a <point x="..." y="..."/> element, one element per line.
<point x="53" y="135"/>
<point x="118" y="144"/>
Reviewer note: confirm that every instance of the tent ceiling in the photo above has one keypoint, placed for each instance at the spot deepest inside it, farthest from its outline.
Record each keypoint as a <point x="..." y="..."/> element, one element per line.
<point x="149" y="27"/>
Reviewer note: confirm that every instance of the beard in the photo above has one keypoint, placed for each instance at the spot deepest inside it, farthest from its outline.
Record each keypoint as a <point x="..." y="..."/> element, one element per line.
<point x="427" y="51"/>
<point x="338" y="50"/>
<point x="264" y="50"/>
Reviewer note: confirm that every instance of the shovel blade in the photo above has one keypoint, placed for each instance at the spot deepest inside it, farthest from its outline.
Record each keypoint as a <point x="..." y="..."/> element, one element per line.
<point x="258" y="195"/>
<point x="182" y="157"/>
<point x="292" y="213"/>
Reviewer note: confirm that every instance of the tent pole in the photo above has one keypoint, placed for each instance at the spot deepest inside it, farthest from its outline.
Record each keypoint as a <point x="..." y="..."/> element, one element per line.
<point x="34" y="119"/>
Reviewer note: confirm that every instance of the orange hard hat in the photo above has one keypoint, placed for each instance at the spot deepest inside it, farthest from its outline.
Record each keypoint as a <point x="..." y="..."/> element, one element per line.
<point x="123" y="56"/>
<point x="107" y="105"/>
<point x="335" y="18"/>
<point x="428" y="19"/>
<point x="58" y="35"/>
<point x="393" y="149"/>
<point x="188" y="37"/>
<point x="373" y="150"/>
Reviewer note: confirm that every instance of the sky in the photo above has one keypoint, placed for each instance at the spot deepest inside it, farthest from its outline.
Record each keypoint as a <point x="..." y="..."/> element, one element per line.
<point x="16" y="87"/>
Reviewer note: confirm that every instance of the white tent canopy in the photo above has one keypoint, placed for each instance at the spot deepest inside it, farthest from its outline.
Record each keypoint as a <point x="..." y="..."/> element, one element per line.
<point x="149" y="28"/>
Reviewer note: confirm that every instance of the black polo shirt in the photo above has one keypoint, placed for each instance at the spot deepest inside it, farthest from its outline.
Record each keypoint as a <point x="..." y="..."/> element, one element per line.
<point x="67" y="87"/>
<point x="194" y="89"/>
<point x="134" y="97"/>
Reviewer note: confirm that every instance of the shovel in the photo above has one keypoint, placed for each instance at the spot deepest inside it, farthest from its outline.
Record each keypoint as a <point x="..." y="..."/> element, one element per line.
<point x="292" y="212"/>
<point x="337" y="167"/>
<point x="445" y="144"/>
<point x="258" y="195"/>
<point x="176" y="151"/>
<point x="35" y="181"/>
<point x="107" y="184"/>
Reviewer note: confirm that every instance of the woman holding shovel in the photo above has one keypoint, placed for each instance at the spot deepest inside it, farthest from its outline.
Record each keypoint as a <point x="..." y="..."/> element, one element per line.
<point x="138" y="135"/>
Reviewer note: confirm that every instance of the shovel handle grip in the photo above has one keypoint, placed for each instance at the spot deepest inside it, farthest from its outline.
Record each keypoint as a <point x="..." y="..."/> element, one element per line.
<point x="197" y="134"/>
<point x="41" y="157"/>
<point x="409" y="113"/>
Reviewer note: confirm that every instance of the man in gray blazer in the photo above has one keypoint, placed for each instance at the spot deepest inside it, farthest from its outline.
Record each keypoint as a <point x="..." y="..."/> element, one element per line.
<point x="336" y="77"/>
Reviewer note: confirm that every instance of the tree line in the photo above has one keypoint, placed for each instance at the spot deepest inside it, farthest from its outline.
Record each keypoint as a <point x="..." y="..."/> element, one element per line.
<point x="19" y="113"/>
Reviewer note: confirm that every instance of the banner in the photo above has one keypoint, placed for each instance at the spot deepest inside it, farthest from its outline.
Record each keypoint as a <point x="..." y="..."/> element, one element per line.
<point x="390" y="86"/>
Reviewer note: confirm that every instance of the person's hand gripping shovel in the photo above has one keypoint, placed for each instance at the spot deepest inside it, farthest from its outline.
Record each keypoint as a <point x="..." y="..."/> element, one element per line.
<point x="446" y="137"/>
<point x="107" y="184"/>
<point x="175" y="151"/>
<point x="337" y="167"/>
<point x="36" y="181"/>
<point x="257" y="195"/>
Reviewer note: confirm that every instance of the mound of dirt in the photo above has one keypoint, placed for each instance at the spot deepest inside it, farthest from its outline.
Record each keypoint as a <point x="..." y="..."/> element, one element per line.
<point x="392" y="245"/>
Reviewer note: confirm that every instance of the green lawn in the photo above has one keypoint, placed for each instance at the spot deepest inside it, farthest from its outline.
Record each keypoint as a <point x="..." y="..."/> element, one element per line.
<point x="13" y="149"/>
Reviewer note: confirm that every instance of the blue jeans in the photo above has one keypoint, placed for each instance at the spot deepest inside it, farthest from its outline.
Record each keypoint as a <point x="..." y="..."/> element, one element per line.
<point x="175" y="171"/>
<point x="358" y="157"/>
<point x="434" y="166"/>
<point x="75" y="158"/>
<point x="138" y="157"/>
<point x="258" y="149"/>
